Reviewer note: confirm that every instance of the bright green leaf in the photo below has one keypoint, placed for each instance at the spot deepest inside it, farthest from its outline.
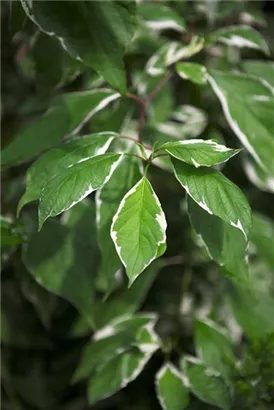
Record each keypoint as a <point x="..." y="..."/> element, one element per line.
<point x="64" y="156"/>
<point x="224" y="243"/>
<point x="248" y="104"/>
<point x="199" y="152"/>
<point x="172" y="390"/>
<point x="192" y="71"/>
<point x="78" y="30"/>
<point x="239" y="36"/>
<point x="214" y="346"/>
<point x="206" y="384"/>
<point x="138" y="229"/>
<point x="158" y="16"/>
<point x="216" y="194"/>
<point x="107" y="201"/>
<point x="73" y="184"/>
<point x="68" y="113"/>
<point x="61" y="258"/>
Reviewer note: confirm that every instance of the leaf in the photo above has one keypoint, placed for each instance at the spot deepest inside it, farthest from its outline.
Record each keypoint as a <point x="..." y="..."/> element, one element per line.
<point x="172" y="390"/>
<point x="225" y="244"/>
<point x="128" y="300"/>
<point x="192" y="71"/>
<point x="170" y="53"/>
<point x="261" y="69"/>
<point x="78" y="31"/>
<point x="116" y="337"/>
<point x="57" y="159"/>
<point x="252" y="309"/>
<point x="138" y="229"/>
<point x="214" y="346"/>
<point x="119" y="371"/>
<point x="160" y="17"/>
<point x="263" y="237"/>
<point x="257" y="176"/>
<point x="190" y="122"/>
<point x="248" y="105"/>
<point x="73" y="184"/>
<point x="9" y="234"/>
<point x="62" y="258"/>
<point x="206" y="384"/>
<point x="240" y="36"/>
<point x="107" y="202"/>
<point x="216" y="194"/>
<point x="199" y="152"/>
<point x="68" y="113"/>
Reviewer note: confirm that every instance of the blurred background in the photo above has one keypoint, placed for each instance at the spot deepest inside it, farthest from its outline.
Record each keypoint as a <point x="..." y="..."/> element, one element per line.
<point x="43" y="335"/>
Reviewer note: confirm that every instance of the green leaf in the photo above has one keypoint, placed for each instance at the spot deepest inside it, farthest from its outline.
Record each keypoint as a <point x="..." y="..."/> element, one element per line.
<point x="263" y="237"/>
<point x="261" y="69"/>
<point x="199" y="152"/>
<point x="258" y="176"/>
<point x="206" y="384"/>
<point x="138" y="229"/>
<point x="192" y="71"/>
<point x="252" y="309"/>
<point x="96" y="33"/>
<point x="57" y="159"/>
<point x="214" y="346"/>
<point x="128" y="300"/>
<point x="172" y="390"/>
<point x="61" y="258"/>
<point x="216" y="194"/>
<point x="160" y="17"/>
<point x="107" y="202"/>
<point x="225" y="244"/>
<point x="68" y="113"/>
<point x="170" y="53"/>
<point x="120" y="370"/>
<point x="248" y="105"/>
<point x="9" y="234"/>
<point x="118" y="336"/>
<point x="240" y="36"/>
<point x="73" y="184"/>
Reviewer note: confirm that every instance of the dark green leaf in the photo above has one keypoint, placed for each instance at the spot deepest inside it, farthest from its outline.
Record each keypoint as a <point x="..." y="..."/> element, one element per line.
<point x="62" y="258"/>
<point x="96" y="33"/>
<point x="206" y="384"/>
<point x="68" y="113"/>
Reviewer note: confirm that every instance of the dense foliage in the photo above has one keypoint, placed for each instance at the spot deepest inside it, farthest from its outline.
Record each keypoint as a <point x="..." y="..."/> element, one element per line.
<point x="137" y="179"/>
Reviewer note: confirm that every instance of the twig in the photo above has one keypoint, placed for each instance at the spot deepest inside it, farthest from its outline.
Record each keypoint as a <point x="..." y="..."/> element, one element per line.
<point x="174" y="260"/>
<point x="145" y="103"/>
<point x="158" y="87"/>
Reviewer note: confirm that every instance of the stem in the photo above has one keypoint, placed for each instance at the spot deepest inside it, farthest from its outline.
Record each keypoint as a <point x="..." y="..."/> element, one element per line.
<point x="133" y="155"/>
<point x="145" y="103"/>
<point x="135" y="141"/>
<point x="142" y="115"/>
<point x="158" y="87"/>
<point x="160" y="155"/>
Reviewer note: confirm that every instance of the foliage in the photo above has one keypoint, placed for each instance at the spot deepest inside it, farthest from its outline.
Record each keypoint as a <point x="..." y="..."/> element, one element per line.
<point x="137" y="239"/>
